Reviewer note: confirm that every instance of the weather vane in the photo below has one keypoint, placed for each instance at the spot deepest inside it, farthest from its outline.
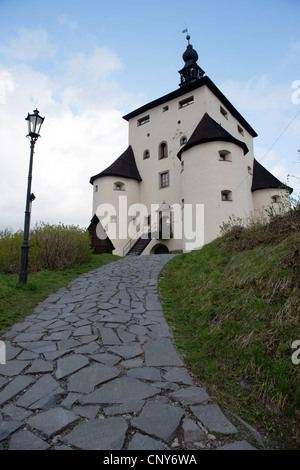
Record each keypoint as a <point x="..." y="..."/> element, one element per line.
<point x="188" y="37"/>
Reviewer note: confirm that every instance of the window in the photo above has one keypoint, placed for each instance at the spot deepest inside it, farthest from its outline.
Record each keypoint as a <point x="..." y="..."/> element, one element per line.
<point x="224" y="112"/>
<point x="118" y="186"/>
<point x="96" y="188"/>
<point x="183" y="140"/>
<point x="224" y="156"/>
<point x="163" y="150"/>
<point x="226" y="195"/>
<point x="275" y="199"/>
<point x="186" y="102"/>
<point x="241" y="130"/>
<point x="249" y="170"/>
<point x="164" y="179"/>
<point x="143" y="120"/>
<point x="165" y="108"/>
<point x="146" y="154"/>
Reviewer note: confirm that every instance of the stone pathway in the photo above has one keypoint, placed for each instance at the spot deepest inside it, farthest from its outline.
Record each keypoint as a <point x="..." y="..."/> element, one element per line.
<point x="95" y="367"/>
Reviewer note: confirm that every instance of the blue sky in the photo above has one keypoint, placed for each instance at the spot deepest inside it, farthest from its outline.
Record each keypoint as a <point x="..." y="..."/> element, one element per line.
<point x="86" y="64"/>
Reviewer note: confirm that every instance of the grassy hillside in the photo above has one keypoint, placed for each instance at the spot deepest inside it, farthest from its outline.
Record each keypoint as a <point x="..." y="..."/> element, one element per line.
<point x="234" y="306"/>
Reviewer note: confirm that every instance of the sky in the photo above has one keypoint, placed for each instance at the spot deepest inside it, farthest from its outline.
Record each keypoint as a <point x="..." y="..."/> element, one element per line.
<point x="84" y="65"/>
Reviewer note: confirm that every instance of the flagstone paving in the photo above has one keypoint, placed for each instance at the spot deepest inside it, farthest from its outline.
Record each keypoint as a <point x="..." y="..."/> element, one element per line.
<point x="95" y="367"/>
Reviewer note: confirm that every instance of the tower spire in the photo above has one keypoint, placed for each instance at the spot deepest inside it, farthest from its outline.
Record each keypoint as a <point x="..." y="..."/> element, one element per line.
<point x="191" y="71"/>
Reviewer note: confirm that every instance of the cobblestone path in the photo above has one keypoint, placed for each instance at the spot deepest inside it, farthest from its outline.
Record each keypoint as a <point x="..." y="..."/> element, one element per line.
<point x="95" y="367"/>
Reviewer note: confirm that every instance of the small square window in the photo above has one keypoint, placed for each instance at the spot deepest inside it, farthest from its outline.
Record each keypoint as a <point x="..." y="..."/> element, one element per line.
<point x="186" y="102"/>
<point x="226" y="195"/>
<point x="224" y="112"/>
<point x="241" y="130"/>
<point x="165" y="108"/>
<point x="143" y="120"/>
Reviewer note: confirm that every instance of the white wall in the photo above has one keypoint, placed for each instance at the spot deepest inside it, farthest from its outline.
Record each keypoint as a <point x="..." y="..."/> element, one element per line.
<point x="205" y="176"/>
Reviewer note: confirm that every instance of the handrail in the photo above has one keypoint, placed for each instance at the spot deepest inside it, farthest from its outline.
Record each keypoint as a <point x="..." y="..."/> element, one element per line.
<point x="138" y="235"/>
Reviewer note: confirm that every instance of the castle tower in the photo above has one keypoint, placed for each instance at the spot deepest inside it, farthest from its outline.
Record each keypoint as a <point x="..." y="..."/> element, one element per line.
<point x="189" y="153"/>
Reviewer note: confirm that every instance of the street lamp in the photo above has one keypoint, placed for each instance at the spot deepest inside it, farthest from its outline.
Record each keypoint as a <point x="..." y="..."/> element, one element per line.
<point x="34" y="125"/>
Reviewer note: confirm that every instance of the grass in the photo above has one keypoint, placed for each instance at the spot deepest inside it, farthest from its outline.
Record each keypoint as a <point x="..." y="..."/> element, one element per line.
<point x="234" y="307"/>
<point x="16" y="301"/>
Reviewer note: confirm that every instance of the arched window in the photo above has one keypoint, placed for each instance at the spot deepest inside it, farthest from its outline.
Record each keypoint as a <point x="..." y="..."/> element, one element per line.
<point x="224" y="156"/>
<point x="226" y="195"/>
<point x="146" y="154"/>
<point x="163" y="150"/>
<point x="275" y="199"/>
<point x="119" y="186"/>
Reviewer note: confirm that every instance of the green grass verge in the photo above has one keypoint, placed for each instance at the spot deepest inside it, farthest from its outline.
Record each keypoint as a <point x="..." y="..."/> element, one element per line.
<point x="235" y="315"/>
<point x="16" y="301"/>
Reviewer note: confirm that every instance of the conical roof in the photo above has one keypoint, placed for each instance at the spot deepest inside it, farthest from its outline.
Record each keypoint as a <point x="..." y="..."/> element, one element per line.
<point x="124" y="167"/>
<point x="209" y="130"/>
<point x="263" y="179"/>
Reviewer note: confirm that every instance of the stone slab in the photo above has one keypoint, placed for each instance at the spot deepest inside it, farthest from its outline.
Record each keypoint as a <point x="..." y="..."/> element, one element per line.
<point x="52" y="421"/>
<point x="70" y="364"/>
<point x="38" y="395"/>
<point x="13" y="388"/>
<point x="161" y="352"/>
<point x="191" y="395"/>
<point x="214" y="419"/>
<point x="121" y="390"/>
<point x="88" y="378"/>
<point x="98" y="434"/>
<point x="12" y="368"/>
<point x="8" y="427"/>
<point x="26" y="440"/>
<point x="142" y="442"/>
<point x="159" y="419"/>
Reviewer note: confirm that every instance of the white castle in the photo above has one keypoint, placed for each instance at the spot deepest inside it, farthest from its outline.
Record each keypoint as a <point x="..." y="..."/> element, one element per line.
<point x="190" y="154"/>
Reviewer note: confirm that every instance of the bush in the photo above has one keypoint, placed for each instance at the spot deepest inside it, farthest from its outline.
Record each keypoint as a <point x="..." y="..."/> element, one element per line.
<point x="52" y="247"/>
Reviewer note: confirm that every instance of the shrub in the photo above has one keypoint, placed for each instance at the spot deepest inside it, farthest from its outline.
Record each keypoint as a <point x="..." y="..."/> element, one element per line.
<point x="52" y="247"/>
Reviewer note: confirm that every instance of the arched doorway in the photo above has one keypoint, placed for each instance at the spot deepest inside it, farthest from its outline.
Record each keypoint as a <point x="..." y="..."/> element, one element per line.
<point x="160" y="249"/>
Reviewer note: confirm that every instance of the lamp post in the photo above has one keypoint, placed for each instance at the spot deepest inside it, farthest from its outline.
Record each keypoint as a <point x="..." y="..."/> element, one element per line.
<point x="34" y="121"/>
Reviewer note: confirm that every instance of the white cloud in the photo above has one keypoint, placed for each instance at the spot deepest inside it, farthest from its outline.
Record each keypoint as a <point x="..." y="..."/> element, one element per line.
<point x="65" y="20"/>
<point x="29" y="45"/>
<point x="82" y="134"/>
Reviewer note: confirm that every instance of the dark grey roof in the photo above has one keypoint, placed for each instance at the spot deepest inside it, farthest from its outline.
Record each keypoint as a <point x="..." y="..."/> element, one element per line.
<point x="209" y="130"/>
<point x="263" y="179"/>
<point x="124" y="167"/>
<point x="188" y="88"/>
